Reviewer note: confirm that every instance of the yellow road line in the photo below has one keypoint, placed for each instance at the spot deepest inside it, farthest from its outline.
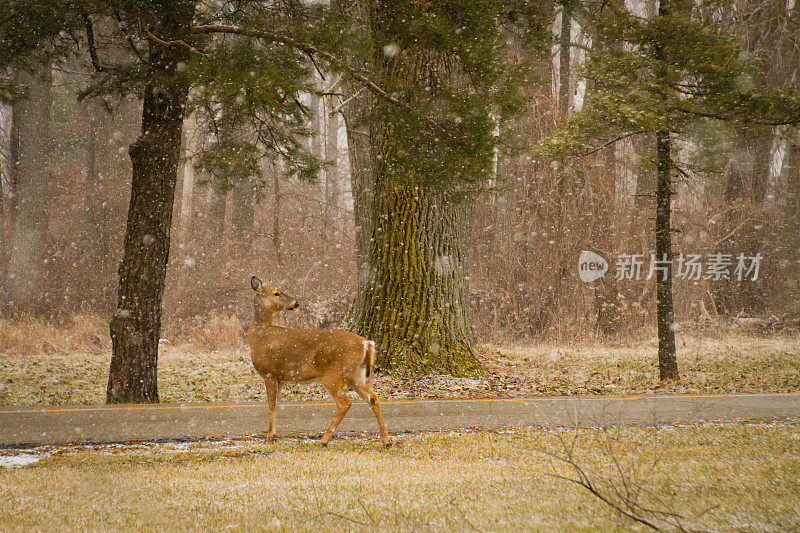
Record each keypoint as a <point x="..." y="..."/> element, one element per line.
<point x="400" y="402"/>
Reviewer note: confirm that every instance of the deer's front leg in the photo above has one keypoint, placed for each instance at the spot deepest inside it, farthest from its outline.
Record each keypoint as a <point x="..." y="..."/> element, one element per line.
<point x="272" y="400"/>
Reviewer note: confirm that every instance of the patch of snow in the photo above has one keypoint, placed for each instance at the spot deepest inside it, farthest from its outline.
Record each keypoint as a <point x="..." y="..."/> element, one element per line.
<point x="16" y="461"/>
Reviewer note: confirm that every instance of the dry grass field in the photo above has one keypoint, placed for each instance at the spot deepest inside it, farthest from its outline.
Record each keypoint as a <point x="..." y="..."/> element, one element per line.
<point x="44" y="364"/>
<point x="716" y="477"/>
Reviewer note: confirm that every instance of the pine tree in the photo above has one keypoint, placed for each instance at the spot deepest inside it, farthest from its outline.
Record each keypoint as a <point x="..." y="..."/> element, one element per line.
<point x="166" y="56"/>
<point x="659" y="77"/>
<point x="418" y="167"/>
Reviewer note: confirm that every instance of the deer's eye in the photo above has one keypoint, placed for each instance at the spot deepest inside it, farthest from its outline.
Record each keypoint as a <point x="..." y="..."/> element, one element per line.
<point x="277" y="293"/>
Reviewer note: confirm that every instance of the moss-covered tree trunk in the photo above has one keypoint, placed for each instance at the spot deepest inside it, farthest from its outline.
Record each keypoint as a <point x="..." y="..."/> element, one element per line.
<point x="412" y="295"/>
<point x="136" y="324"/>
<point x="414" y="300"/>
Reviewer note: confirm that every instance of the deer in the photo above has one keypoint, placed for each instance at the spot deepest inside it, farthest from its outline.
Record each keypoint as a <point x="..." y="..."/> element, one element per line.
<point x="333" y="358"/>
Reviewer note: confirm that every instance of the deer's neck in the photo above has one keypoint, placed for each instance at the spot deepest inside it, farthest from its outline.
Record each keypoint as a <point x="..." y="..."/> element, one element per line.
<point x="262" y="315"/>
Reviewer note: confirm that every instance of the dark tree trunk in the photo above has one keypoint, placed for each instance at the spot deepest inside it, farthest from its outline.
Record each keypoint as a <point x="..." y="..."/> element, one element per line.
<point x="32" y="177"/>
<point x="791" y="228"/>
<point x="665" y="313"/>
<point x="667" y="361"/>
<point x="136" y="325"/>
<point x="3" y="246"/>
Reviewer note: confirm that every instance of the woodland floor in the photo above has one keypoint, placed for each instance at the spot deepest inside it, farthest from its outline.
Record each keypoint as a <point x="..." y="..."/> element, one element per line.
<point x="731" y="477"/>
<point x="72" y="369"/>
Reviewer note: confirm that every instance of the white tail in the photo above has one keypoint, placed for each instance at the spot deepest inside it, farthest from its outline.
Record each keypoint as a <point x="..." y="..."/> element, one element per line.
<point x="332" y="357"/>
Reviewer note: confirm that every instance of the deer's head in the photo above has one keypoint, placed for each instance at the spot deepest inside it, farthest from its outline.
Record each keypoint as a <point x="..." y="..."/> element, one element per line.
<point x="269" y="299"/>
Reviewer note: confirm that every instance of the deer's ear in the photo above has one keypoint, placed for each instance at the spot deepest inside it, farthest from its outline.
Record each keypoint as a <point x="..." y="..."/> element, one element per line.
<point x="255" y="283"/>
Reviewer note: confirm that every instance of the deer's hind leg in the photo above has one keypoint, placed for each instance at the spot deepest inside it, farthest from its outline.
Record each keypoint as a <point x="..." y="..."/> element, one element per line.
<point x="365" y="391"/>
<point x="343" y="404"/>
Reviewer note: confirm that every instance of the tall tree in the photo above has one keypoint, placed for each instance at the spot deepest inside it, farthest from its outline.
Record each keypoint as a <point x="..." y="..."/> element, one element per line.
<point x="415" y="167"/>
<point x="162" y="63"/>
<point x="660" y="77"/>
<point x="31" y="125"/>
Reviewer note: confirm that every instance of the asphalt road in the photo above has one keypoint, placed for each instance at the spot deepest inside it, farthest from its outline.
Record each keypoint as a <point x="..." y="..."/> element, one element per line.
<point x="26" y="426"/>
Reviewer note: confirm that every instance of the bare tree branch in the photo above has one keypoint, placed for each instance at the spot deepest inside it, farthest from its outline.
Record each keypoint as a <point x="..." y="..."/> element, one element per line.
<point x="173" y="44"/>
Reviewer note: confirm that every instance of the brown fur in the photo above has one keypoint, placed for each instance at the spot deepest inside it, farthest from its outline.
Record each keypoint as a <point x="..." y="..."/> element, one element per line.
<point x="332" y="357"/>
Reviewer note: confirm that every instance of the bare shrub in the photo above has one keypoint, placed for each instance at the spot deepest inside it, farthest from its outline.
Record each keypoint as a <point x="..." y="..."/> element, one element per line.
<point x="30" y="335"/>
<point x="215" y="332"/>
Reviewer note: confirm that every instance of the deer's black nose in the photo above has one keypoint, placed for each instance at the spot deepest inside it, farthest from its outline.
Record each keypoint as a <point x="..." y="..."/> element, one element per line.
<point x="295" y="305"/>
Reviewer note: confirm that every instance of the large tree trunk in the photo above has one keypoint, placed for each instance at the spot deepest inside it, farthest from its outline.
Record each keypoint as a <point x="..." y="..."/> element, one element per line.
<point x="32" y="124"/>
<point x="155" y="155"/>
<point x="413" y="298"/>
<point x="665" y="315"/>
<point x="415" y="303"/>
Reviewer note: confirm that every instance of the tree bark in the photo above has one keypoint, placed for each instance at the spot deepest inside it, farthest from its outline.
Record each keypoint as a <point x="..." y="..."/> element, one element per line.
<point x="414" y="302"/>
<point x="32" y="124"/>
<point x="665" y="313"/>
<point x="413" y="296"/>
<point x="136" y="325"/>
<point x="6" y="122"/>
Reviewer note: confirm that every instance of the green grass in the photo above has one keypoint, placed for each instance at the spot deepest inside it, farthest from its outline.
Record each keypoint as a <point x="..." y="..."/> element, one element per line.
<point x="744" y="476"/>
